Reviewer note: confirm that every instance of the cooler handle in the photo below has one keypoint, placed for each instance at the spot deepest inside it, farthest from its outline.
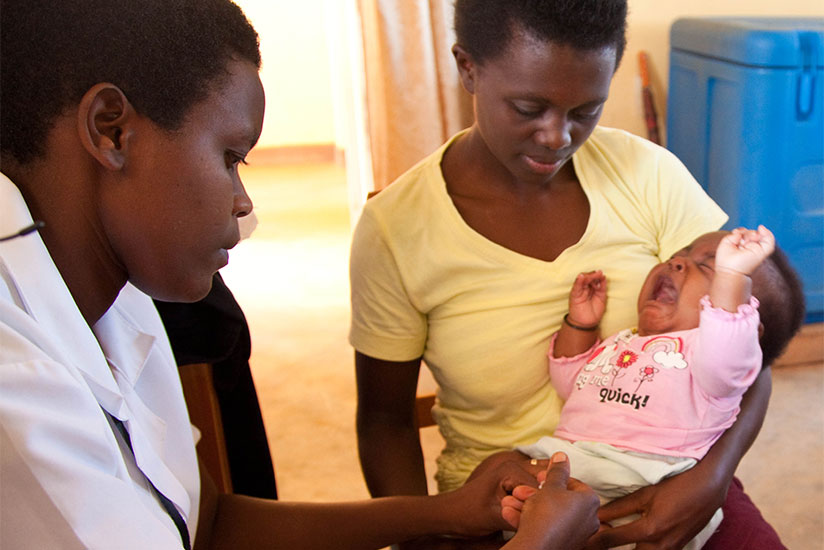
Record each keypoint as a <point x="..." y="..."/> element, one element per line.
<point x="810" y="44"/>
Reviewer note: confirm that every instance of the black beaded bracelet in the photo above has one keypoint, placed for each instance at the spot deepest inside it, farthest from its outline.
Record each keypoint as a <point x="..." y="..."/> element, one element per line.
<point x="579" y="327"/>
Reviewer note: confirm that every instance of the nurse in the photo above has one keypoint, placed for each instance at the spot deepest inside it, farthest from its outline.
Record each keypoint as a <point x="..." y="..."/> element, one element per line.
<point x="122" y="127"/>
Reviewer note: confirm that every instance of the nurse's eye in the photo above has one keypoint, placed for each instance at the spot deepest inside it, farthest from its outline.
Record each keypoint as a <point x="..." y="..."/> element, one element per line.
<point x="232" y="159"/>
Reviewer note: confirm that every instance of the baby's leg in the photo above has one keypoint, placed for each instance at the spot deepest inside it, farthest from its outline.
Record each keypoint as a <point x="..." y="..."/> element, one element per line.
<point x="613" y="473"/>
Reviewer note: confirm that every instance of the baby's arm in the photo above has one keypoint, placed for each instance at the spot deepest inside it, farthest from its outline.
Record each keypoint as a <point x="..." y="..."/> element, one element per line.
<point x="738" y="255"/>
<point x="587" y="302"/>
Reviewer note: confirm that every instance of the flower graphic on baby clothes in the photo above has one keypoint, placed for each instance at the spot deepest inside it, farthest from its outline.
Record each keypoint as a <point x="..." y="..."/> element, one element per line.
<point x="625" y="359"/>
<point x="646" y="373"/>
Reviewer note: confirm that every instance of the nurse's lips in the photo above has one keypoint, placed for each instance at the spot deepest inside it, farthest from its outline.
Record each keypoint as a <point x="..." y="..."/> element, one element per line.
<point x="223" y="256"/>
<point x="224" y="252"/>
<point x="542" y="166"/>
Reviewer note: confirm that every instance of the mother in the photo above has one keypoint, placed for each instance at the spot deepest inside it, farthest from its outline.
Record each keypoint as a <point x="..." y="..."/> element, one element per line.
<point x="464" y="263"/>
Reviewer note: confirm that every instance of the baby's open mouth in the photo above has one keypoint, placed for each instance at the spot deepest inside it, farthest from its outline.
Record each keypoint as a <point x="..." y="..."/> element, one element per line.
<point x="664" y="290"/>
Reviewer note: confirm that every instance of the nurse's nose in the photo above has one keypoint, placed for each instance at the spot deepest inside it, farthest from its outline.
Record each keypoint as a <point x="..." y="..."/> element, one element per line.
<point x="242" y="205"/>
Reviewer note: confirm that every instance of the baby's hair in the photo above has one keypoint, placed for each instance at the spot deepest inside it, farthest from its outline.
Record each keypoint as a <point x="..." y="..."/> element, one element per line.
<point x="780" y="292"/>
<point x="166" y="56"/>
<point x="484" y="28"/>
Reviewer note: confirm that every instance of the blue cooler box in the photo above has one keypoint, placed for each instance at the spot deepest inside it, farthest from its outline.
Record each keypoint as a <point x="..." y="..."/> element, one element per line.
<point x="745" y="113"/>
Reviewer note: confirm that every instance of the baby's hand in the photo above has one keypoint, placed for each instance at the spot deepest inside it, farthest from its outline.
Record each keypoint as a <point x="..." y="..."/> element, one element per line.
<point x="588" y="298"/>
<point x="561" y="513"/>
<point x="743" y="250"/>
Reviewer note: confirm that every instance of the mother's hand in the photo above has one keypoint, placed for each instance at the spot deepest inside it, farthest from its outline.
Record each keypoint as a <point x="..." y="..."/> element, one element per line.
<point x="677" y="508"/>
<point x="672" y="512"/>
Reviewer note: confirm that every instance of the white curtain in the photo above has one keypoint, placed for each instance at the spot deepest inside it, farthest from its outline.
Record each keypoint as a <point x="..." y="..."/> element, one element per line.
<point x="414" y="99"/>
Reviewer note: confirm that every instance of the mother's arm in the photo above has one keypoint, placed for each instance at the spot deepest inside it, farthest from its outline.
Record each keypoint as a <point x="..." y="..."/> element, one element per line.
<point x="677" y="508"/>
<point x="390" y="447"/>
<point x="388" y="439"/>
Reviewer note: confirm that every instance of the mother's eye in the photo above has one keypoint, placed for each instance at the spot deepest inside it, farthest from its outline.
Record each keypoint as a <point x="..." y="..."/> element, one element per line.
<point x="587" y="114"/>
<point x="527" y="111"/>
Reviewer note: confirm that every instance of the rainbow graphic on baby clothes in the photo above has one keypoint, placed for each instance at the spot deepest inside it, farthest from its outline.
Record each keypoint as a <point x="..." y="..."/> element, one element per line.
<point x="667" y="351"/>
<point x="664" y="343"/>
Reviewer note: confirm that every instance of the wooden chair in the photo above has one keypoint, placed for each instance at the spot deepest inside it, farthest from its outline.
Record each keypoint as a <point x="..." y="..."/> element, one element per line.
<point x="204" y="413"/>
<point x="423" y="410"/>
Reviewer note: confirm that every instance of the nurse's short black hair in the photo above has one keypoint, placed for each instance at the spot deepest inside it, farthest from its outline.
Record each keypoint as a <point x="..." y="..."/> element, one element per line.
<point x="484" y="28"/>
<point x="163" y="54"/>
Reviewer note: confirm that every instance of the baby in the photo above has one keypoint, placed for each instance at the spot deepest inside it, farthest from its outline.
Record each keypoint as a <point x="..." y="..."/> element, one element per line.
<point x="648" y="403"/>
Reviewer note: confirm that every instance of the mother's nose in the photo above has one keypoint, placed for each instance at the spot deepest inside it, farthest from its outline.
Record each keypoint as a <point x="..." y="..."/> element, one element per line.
<point x="553" y="132"/>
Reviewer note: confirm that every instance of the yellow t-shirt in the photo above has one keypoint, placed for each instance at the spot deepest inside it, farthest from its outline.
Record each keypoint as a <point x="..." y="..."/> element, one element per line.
<point x="426" y="284"/>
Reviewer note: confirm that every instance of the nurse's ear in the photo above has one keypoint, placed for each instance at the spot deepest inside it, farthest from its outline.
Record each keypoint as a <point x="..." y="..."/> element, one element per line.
<point x="105" y="120"/>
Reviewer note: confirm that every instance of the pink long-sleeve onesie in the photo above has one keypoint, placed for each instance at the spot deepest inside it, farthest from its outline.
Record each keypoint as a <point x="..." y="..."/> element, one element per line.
<point x="669" y="394"/>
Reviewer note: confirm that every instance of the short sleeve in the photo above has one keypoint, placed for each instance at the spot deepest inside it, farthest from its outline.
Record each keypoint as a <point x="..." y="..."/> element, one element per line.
<point x="385" y="324"/>
<point x="649" y="189"/>
<point x="684" y="210"/>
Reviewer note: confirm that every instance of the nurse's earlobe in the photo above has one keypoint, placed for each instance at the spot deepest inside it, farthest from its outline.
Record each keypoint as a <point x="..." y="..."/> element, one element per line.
<point x="103" y="121"/>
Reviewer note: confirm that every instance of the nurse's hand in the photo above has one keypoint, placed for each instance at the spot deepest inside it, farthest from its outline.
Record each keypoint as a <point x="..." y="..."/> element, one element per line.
<point x="561" y="513"/>
<point x="478" y="520"/>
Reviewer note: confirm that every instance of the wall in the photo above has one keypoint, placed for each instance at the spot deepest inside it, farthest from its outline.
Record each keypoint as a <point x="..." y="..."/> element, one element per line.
<point x="649" y="24"/>
<point x="296" y="73"/>
<point x="296" y="66"/>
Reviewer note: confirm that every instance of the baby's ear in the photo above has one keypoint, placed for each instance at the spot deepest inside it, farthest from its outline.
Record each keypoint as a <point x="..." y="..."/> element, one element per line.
<point x="760" y="330"/>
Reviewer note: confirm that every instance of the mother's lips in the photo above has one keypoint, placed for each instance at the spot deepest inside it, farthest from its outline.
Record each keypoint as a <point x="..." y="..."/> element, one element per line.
<point x="543" y="165"/>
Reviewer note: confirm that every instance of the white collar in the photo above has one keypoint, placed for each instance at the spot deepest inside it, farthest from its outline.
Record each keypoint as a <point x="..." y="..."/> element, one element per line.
<point x="64" y="336"/>
<point x="52" y="322"/>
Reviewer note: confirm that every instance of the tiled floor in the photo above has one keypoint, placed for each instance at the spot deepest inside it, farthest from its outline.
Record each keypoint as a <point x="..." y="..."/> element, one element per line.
<point x="291" y="279"/>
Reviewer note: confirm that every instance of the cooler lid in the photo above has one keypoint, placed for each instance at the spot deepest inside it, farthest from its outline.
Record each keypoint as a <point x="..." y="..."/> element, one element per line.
<point x="755" y="41"/>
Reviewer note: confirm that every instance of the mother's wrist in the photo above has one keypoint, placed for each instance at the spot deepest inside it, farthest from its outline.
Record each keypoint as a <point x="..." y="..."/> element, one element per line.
<point x="717" y="468"/>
